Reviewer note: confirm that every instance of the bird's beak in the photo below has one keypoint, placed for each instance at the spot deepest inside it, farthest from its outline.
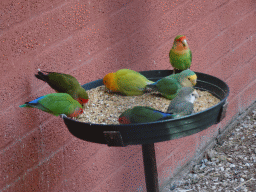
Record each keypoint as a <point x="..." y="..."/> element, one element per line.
<point x="193" y="79"/>
<point x="63" y="115"/>
<point x="184" y="42"/>
<point x="195" y="93"/>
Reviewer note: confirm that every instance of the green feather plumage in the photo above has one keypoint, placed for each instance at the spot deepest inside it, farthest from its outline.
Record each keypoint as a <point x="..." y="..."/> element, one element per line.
<point x="131" y="82"/>
<point x="140" y="114"/>
<point x="169" y="86"/>
<point x="64" y="83"/>
<point x="180" y="60"/>
<point x="55" y="103"/>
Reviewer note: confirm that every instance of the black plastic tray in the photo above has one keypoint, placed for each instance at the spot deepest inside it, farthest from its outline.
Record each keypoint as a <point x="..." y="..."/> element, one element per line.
<point x="146" y="133"/>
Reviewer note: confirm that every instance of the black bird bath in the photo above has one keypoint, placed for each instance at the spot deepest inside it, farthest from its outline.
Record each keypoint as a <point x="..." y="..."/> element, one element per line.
<point x="149" y="133"/>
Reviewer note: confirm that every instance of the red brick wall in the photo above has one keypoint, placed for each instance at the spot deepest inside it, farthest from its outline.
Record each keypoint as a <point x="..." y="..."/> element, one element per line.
<point x="89" y="39"/>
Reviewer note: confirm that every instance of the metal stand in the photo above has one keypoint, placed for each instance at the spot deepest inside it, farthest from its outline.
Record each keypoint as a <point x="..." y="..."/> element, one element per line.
<point x="150" y="169"/>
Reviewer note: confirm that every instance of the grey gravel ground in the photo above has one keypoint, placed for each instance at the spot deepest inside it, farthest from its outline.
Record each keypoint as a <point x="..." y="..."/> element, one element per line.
<point x="227" y="167"/>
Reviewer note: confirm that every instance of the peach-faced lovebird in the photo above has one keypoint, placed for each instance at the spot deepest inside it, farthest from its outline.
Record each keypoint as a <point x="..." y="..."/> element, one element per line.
<point x="64" y="83"/>
<point x="141" y="114"/>
<point x="56" y="104"/>
<point x="126" y="81"/>
<point x="170" y="86"/>
<point x="182" y="104"/>
<point x="180" y="54"/>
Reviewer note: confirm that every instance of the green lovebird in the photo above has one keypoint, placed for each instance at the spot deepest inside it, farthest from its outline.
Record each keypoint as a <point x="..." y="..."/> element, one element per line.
<point x="64" y="83"/>
<point x="126" y="81"/>
<point x="170" y="86"/>
<point x="180" y="54"/>
<point x="141" y="114"/>
<point x="56" y="104"/>
<point x="182" y="104"/>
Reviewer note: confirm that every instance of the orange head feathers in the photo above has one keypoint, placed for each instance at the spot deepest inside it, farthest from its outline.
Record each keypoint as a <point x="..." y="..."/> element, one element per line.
<point x="109" y="82"/>
<point x="180" y="43"/>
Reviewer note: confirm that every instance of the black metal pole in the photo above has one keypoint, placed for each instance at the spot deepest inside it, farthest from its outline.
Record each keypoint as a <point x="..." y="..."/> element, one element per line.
<point x="150" y="169"/>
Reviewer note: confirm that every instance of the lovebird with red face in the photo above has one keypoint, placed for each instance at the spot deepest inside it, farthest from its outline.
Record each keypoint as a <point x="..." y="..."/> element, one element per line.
<point x="64" y="83"/>
<point x="56" y="104"/>
<point x="180" y="55"/>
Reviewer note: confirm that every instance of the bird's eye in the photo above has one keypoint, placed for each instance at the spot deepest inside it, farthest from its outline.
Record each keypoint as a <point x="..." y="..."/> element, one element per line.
<point x="188" y="78"/>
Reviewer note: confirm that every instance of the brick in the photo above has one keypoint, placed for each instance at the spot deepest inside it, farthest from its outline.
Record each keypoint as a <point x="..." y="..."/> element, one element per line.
<point x="130" y="177"/>
<point x="181" y="18"/>
<point x="66" y="20"/>
<point x="31" y="117"/>
<point x="98" y="66"/>
<point x="9" y="132"/>
<point x="100" y="167"/>
<point x="232" y="110"/>
<point x="206" y="135"/>
<point x="13" y="12"/>
<point x="165" y="149"/>
<point x="88" y="176"/>
<point x="19" y="123"/>
<point x="36" y="35"/>
<point x="57" y="58"/>
<point x="30" y="148"/>
<point x="202" y="32"/>
<point x="19" y="156"/>
<point x="105" y="8"/>
<point x="253" y="68"/>
<point x="46" y="61"/>
<point x="127" y="21"/>
<point x="200" y="61"/>
<point x="15" y="84"/>
<point x="53" y="135"/>
<point x="17" y="185"/>
<point x="90" y="71"/>
<point x="5" y="56"/>
<point x="52" y="174"/>
<point x="33" y="179"/>
<point x="88" y="42"/>
<point x="11" y="163"/>
<point x="239" y="80"/>
<point x="158" y="59"/>
<point x="76" y="153"/>
<point x="237" y="32"/>
<point x="229" y="16"/>
<point x="218" y="47"/>
<point x="182" y="153"/>
<point x="232" y="61"/>
<point x="20" y="42"/>
<point x="39" y="6"/>
<point x="117" y="156"/>
<point x="64" y="56"/>
<point x="32" y="36"/>
<point x="248" y="96"/>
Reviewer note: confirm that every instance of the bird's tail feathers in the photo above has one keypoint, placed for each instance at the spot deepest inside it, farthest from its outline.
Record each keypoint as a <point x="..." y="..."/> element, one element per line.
<point x="150" y="82"/>
<point x="41" y="76"/>
<point x="24" y="105"/>
<point x="168" y="116"/>
<point x="151" y="87"/>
